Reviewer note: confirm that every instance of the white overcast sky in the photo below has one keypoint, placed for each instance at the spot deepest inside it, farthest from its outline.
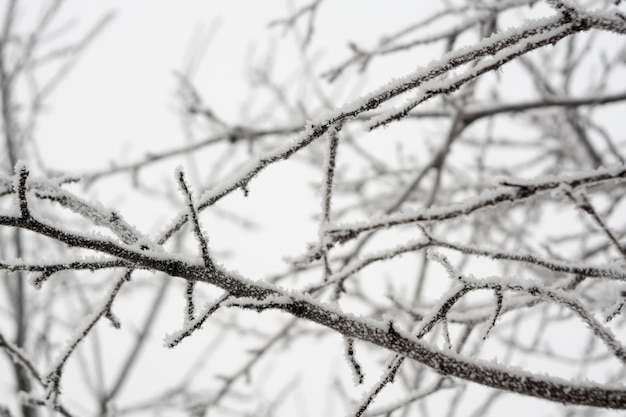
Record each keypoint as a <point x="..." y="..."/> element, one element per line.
<point x="119" y="100"/>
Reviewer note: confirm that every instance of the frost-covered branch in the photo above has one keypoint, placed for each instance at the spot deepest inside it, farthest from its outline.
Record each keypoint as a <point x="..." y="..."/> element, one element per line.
<point x="500" y="146"/>
<point x="305" y="307"/>
<point x="518" y="193"/>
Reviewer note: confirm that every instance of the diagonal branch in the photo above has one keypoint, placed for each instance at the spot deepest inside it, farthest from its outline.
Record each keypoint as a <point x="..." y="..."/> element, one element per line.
<point x="380" y="334"/>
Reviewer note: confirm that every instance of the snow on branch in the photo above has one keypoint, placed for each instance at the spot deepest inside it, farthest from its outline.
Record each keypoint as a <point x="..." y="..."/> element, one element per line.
<point x="195" y="323"/>
<point x="500" y="284"/>
<point x="515" y="192"/>
<point x="423" y="329"/>
<point x="555" y="265"/>
<point x="316" y="129"/>
<point x="381" y="334"/>
<point x="50" y="190"/>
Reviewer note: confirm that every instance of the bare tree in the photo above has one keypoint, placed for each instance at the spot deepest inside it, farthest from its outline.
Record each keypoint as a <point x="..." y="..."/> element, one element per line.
<point x="469" y="219"/>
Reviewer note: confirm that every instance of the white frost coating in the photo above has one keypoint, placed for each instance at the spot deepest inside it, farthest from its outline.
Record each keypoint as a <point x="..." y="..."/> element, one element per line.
<point x="170" y="338"/>
<point x="348" y="355"/>
<point x="189" y="326"/>
<point x="90" y="210"/>
<point x="178" y="171"/>
<point x="443" y="84"/>
<point x="334" y="316"/>
<point x="611" y="171"/>
<point x="524" y="286"/>
<point x="615" y="270"/>
<point x="438" y="257"/>
<point x="517" y="371"/>
<point x="250" y="302"/>
<point x="506" y="195"/>
<point x="433" y="312"/>
<point x="475" y="314"/>
<point x="376" y="326"/>
<point x="253" y="165"/>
